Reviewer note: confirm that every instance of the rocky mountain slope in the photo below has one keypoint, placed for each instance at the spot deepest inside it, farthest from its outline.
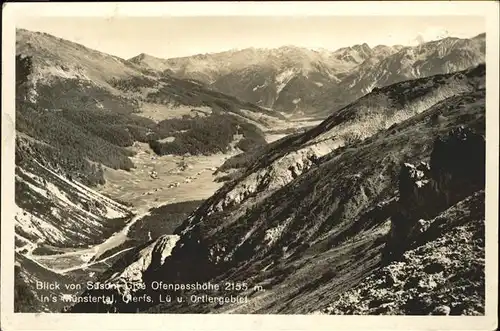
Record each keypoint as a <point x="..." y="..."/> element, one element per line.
<point x="28" y="297"/>
<point x="317" y="213"/>
<point x="280" y="162"/>
<point x="442" y="271"/>
<point x="435" y="57"/>
<point x="58" y="211"/>
<point x="302" y="81"/>
<point x="274" y="78"/>
<point x="444" y="276"/>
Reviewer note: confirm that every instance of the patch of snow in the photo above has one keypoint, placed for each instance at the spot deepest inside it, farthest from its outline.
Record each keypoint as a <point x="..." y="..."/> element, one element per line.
<point x="318" y="84"/>
<point x="169" y="244"/>
<point x="167" y="140"/>
<point x="55" y="228"/>
<point x="34" y="188"/>
<point x="275" y="175"/>
<point x="259" y="87"/>
<point x="118" y="208"/>
<point x="273" y="234"/>
<point x="37" y="227"/>
<point x="332" y="76"/>
<point x="113" y="213"/>
<point x="55" y="212"/>
<point x="296" y="101"/>
<point x="86" y="257"/>
<point x="370" y="88"/>
<point x="415" y="70"/>
<point x="63" y="198"/>
<point x="283" y="79"/>
<point x="36" y="178"/>
<point x="69" y="73"/>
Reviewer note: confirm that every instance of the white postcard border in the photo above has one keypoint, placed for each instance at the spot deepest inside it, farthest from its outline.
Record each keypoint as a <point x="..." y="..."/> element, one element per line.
<point x="54" y="321"/>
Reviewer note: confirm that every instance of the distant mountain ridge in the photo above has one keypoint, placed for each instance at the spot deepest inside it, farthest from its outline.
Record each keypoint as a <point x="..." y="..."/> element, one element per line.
<point x="299" y="81"/>
<point x="432" y="58"/>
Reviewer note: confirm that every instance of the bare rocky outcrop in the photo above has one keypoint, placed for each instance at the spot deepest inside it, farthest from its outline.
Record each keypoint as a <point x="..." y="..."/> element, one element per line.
<point x="436" y="242"/>
<point x="269" y="179"/>
<point x="456" y="170"/>
<point x="127" y="278"/>
<point x="152" y="255"/>
<point x="443" y="276"/>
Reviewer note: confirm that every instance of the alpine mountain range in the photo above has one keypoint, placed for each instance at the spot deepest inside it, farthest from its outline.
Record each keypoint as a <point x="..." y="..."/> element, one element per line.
<point x="304" y="181"/>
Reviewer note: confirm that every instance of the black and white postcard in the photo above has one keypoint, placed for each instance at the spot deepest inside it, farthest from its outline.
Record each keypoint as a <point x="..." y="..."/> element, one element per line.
<point x="246" y="165"/>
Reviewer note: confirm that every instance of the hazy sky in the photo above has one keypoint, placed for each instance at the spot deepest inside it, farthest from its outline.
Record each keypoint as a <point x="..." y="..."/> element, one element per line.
<point x="182" y="36"/>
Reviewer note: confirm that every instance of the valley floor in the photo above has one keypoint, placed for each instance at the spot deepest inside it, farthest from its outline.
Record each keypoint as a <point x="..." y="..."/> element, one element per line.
<point x="158" y="180"/>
